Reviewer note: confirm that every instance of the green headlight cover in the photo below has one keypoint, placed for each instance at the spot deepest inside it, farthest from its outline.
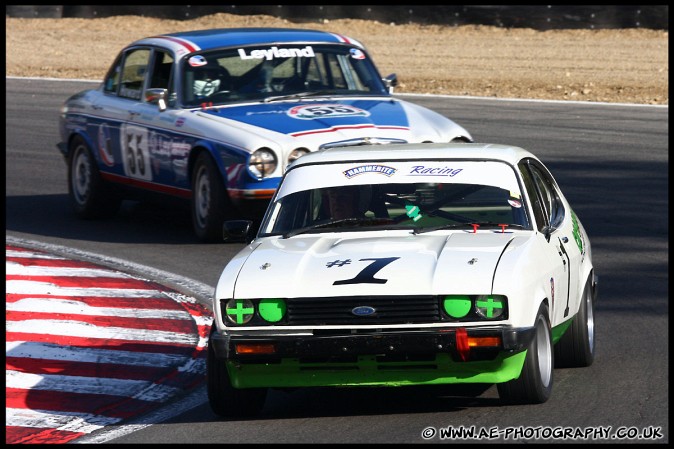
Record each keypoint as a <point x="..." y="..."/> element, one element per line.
<point x="239" y="311"/>
<point x="457" y="306"/>
<point x="490" y="306"/>
<point x="272" y="310"/>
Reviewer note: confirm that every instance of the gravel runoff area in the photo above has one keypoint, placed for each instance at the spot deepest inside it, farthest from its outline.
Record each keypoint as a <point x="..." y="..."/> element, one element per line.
<point x="607" y="65"/>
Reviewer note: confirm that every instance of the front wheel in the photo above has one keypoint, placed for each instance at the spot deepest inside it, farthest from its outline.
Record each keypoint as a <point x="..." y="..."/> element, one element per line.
<point x="87" y="190"/>
<point x="225" y="400"/>
<point x="534" y="386"/>
<point x="210" y="203"/>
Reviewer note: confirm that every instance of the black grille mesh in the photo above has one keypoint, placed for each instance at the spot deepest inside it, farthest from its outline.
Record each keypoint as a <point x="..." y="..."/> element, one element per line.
<point x="338" y="310"/>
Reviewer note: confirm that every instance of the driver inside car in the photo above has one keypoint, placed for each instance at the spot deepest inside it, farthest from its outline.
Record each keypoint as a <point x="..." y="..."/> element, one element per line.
<point x="208" y="79"/>
<point x="347" y="201"/>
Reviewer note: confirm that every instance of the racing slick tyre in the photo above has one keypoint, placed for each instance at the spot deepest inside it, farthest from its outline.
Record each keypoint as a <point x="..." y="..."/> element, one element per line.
<point x="210" y="202"/>
<point x="534" y="385"/>
<point x="87" y="190"/>
<point x="576" y="347"/>
<point x="225" y="400"/>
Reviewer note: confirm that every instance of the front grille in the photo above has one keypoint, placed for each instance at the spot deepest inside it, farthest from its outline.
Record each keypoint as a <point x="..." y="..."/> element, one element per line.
<point x="387" y="310"/>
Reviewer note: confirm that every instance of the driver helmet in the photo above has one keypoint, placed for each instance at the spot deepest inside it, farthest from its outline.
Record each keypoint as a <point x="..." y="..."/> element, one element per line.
<point x="206" y="76"/>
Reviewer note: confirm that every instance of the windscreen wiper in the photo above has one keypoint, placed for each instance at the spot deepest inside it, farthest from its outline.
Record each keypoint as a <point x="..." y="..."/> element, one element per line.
<point x="370" y="221"/>
<point x="299" y="95"/>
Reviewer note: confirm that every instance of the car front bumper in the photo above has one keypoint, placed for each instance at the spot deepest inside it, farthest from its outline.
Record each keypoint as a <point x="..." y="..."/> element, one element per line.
<point x="401" y="357"/>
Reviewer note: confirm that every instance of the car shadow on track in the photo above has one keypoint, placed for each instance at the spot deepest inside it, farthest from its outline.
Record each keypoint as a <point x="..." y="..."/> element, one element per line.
<point x="350" y="401"/>
<point x="166" y="222"/>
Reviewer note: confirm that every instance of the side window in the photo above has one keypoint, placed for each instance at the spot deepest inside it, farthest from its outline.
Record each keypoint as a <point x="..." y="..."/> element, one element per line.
<point x="540" y="214"/>
<point x="133" y="73"/>
<point x="112" y="79"/>
<point x="553" y="203"/>
<point x="544" y="192"/>
<point x="161" y="71"/>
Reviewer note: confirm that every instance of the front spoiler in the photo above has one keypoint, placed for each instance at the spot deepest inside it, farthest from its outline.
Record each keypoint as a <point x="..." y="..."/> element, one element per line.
<point x="372" y="358"/>
<point x="398" y="344"/>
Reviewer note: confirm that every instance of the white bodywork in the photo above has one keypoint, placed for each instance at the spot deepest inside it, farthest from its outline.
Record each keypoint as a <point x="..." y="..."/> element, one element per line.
<point x="521" y="264"/>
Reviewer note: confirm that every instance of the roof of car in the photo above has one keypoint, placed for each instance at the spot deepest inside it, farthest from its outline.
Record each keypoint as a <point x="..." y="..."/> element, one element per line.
<point x="396" y="152"/>
<point x="198" y="40"/>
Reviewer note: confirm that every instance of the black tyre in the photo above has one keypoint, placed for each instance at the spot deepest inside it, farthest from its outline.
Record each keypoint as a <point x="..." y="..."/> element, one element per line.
<point x="576" y="347"/>
<point x="225" y="400"/>
<point x="88" y="192"/>
<point x="534" y="386"/>
<point x="210" y="202"/>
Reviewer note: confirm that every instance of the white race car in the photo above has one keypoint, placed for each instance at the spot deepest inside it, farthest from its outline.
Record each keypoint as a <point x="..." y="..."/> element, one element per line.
<point x="215" y="116"/>
<point x="414" y="264"/>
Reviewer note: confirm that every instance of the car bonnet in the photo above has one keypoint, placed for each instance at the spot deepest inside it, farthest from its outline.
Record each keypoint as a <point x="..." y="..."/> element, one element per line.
<point x="344" y="264"/>
<point x="329" y="120"/>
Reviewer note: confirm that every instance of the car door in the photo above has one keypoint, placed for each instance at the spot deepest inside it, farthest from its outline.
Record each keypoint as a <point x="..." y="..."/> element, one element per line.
<point x="566" y="231"/>
<point x="552" y="222"/>
<point x="153" y="134"/>
<point x="119" y="150"/>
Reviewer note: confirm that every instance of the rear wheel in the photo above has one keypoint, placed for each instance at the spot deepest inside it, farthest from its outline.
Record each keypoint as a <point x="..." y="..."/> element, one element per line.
<point x="576" y="347"/>
<point x="534" y="386"/>
<point x="226" y="400"/>
<point x="87" y="190"/>
<point x="210" y="203"/>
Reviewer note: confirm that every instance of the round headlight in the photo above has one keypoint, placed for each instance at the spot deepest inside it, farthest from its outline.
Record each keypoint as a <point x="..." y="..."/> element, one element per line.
<point x="296" y="154"/>
<point x="457" y="306"/>
<point x="272" y="310"/>
<point x="490" y="306"/>
<point x="239" y="311"/>
<point x="262" y="163"/>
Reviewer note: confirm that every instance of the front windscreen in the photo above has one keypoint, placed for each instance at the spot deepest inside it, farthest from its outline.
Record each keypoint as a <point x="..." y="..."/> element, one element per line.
<point x="421" y="196"/>
<point x="273" y="72"/>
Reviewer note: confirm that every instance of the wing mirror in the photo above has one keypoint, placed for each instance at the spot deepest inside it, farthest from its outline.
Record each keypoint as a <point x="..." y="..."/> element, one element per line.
<point x="156" y="96"/>
<point x="390" y="82"/>
<point x="547" y="232"/>
<point x="237" y="231"/>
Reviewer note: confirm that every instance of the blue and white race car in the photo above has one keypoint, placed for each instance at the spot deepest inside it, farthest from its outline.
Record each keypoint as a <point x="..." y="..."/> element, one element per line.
<point x="421" y="264"/>
<point x="215" y="116"/>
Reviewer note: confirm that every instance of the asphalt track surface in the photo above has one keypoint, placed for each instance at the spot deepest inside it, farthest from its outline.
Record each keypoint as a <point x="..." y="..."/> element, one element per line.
<point x="610" y="160"/>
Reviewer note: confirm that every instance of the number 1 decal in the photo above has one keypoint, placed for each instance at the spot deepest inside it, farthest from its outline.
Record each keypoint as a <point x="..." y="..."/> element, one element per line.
<point x="366" y="276"/>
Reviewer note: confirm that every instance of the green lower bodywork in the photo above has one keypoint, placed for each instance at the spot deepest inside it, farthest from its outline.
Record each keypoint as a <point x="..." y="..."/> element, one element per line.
<point x="559" y="330"/>
<point x="368" y="372"/>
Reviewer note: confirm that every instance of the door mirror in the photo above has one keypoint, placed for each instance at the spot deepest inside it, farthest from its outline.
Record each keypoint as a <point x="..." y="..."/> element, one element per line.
<point x="237" y="231"/>
<point x="390" y="82"/>
<point x="547" y="232"/>
<point x="156" y="96"/>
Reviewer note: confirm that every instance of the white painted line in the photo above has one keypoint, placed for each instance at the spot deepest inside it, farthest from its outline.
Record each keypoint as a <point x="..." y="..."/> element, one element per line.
<point x="195" y="399"/>
<point x="85" y="422"/>
<point x="203" y="291"/>
<point x="47" y="288"/>
<point x="32" y="255"/>
<point x="53" y="351"/>
<point x="22" y="270"/>
<point x="72" y="306"/>
<point x="139" y="389"/>
<point x="73" y="328"/>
